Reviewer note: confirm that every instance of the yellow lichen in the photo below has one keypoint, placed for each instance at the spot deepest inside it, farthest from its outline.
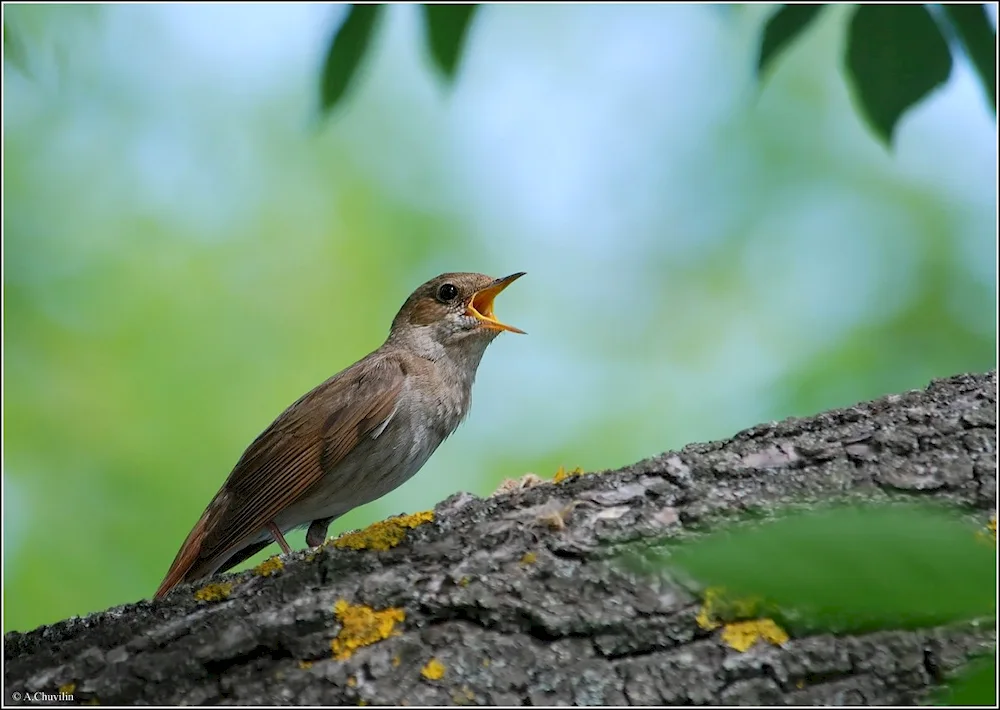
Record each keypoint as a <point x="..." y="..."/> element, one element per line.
<point x="270" y="566"/>
<point x="486" y="663"/>
<point x="705" y="620"/>
<point x="463" y="696"/>
<point x="464" y="582"/>
<point x="562" y="474"/>
<point x="717" y="607"/>
<point x="351" y="681"/>
<point x="67" y="688"/>
<point x="305" y="665"/>
<point x="529" y="558"/>
<point x="706" y="615"/>
<point x="93" y="701"/>
<point x="362" y="626"/>
<point x="384" y="534"/>
<point x="396" y="660"/>
<point x="362" y="702"/>
<point x="214" y="592"/>
<point x="742" y="635"/>
<point x="434" y="670"/>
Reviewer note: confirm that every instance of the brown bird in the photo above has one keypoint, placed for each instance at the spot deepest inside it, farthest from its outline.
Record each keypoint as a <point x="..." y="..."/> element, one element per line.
<point x="357" y="436"/>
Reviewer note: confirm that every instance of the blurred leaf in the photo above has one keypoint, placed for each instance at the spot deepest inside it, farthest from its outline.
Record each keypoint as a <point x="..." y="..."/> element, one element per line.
<point x="896" y="55"/>
<point x="782" y="29"/>
<point x="854" y="568"/>
<point x="347" y="50"/>
<point x="14" y="50"/>
<point x="447" y="26"/>
<point x="973" y="27"/>
<point x="974" y="685"/>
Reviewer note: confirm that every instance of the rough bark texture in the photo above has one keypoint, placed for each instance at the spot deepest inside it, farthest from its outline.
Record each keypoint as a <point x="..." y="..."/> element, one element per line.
<point x="518" y="611"/>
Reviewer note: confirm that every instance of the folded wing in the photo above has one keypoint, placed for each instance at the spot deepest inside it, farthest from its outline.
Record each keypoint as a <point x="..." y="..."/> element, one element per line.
<point x="305" y="442"/>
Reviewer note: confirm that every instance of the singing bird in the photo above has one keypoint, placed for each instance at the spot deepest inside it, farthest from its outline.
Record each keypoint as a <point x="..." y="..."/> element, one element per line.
<point x="357" y="436"/>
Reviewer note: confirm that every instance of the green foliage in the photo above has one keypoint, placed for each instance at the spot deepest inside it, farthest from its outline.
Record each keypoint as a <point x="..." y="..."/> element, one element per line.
<point x="896" y="55"/>
<point x="972" y="25"/>
<point x="13" y="48"/>
<point x="975" y="685"/>
<point x="854" y="568"/>
<point x="347" y="50"/>
<point x="446" y="29"/>
<point x="781" y="30"/>
<point x="447" y="26"/>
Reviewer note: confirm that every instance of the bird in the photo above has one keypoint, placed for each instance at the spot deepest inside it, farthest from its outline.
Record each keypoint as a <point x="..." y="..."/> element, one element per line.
<point x="355" y="437"/>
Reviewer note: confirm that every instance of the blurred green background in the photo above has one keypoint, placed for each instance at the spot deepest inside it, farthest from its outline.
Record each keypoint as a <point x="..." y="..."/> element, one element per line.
<point x="188" y="248"/>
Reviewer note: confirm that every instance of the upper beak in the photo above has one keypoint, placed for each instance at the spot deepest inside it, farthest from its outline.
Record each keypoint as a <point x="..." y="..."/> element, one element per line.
<point x="481" y="304"/>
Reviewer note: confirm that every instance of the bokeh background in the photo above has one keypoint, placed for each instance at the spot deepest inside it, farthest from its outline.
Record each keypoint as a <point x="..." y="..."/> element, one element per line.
<point x="188" y="248"/>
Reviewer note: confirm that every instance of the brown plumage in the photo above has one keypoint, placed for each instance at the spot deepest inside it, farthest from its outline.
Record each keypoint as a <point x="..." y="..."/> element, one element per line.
<point x="357" y="436"/>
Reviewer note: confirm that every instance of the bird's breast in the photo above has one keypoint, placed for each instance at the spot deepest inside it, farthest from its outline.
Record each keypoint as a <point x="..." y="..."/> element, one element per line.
<point x="387" y="458"/>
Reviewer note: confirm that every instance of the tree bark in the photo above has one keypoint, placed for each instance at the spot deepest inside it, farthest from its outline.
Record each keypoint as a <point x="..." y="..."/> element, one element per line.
<point x="521" y="598"/>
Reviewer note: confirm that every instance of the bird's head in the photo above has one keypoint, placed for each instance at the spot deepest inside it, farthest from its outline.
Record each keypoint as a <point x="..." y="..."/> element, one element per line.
<point x="452" y="310"/>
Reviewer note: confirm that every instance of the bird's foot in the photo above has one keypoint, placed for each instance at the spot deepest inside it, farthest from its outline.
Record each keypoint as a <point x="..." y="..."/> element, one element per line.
<point x="316" y="534"/>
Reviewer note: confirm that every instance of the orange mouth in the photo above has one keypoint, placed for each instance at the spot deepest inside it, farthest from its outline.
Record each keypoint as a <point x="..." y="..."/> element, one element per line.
<point x="481" y="304"/>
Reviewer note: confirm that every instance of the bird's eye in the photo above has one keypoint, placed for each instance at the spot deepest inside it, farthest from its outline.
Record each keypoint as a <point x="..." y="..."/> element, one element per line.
<point x="447" y="292"/>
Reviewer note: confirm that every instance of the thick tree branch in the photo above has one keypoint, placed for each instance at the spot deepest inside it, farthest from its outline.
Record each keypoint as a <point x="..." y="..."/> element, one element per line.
<point x="519" y="599"/>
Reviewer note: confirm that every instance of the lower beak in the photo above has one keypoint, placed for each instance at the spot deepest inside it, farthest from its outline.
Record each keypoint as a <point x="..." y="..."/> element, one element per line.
<point x="481" y="304"/>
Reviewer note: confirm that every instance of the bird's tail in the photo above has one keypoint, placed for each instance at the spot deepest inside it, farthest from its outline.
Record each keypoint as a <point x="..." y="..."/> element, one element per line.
<point x="186" y="563"/>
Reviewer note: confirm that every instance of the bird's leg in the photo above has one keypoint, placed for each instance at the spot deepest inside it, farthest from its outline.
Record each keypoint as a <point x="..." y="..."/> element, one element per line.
<point x="316" y="534"/>
<point x="278" y="537"/>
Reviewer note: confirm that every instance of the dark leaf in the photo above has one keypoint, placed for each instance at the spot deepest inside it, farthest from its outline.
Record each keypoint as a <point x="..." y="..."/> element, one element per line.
<point x="896" y="55"/>
<point x="14" y="50"/>
<point x="972" y="25"/>
<point x="447" y="26"/>
<point x="854" y="568"/>
<point x="347" y="50"/>
<point x="976" y="684"/>
<point x="783" y="27"/>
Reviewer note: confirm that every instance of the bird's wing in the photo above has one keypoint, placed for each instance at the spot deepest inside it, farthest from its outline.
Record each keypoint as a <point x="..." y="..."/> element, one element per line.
<point x="310" y="438"/>
<point x="307" y="440"/>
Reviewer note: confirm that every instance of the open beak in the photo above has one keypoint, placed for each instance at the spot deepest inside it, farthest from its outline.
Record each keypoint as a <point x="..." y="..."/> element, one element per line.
<point x="481" y="304"/>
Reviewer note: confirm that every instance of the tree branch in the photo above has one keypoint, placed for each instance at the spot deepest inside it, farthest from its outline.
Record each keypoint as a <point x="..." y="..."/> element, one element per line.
<point x="518" y="598"/>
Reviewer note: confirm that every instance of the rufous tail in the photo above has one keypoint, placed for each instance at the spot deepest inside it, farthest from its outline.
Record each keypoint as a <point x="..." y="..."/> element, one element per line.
<point x="187" y="556"/>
